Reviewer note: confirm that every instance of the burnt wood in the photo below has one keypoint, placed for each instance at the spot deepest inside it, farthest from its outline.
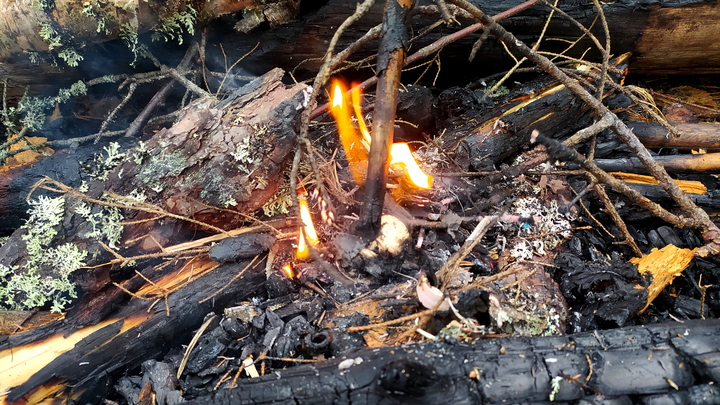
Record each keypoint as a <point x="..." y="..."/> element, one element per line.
<point x="666" y="36"/>
<point x="85" y="370"/>
<point x="627" y="364"/>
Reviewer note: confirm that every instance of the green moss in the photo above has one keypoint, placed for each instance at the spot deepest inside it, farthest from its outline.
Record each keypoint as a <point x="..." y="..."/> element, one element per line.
<point x="104" y="222"/>
<point x="280" y="202"/>
<point x="129" y="34"/>
<point x="70" y="56"/>
<point x="103" y="163"/>
<point x="50" y="35"/>
<point x="173" y="27"/>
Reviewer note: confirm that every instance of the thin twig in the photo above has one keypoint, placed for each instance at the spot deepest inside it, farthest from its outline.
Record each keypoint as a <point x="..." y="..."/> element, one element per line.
<point x="699" y="217"/>
<point x="445" y="273"/>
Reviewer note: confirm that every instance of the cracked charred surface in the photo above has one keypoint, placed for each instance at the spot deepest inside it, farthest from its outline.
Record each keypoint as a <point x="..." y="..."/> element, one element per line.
<point x="493" y="371"/>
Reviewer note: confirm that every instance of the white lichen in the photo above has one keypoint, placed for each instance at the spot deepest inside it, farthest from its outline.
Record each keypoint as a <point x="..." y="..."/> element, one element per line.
<point x="43" y="278"/>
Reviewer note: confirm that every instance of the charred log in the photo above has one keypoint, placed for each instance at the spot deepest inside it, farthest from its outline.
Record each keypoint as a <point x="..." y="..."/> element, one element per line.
<point x="675" y="361"/>
<point x="77" y="362"/>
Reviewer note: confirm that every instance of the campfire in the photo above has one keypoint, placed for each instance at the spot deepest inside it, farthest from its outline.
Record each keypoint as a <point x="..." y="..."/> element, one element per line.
<point x="380" y="241"/>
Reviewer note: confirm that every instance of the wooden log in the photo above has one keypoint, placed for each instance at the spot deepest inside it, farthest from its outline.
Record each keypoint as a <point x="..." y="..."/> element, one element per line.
<point x="216" y="164"/>
<point x="672" y="360"/>
<point x="59" y="360"/>
<point x="704" y="162"/>
<point x="691" y="136"/>
<point x="40" y="39"/>
<point x="634" y="27"/>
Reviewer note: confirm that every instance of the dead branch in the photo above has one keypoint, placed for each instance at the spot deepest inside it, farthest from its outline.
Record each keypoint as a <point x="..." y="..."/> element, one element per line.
<point x="700" y="218"/>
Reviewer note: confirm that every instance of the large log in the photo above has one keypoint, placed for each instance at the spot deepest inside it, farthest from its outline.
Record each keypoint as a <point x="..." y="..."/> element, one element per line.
<point x="216" y="164"/>
<point x="676" y="363"/>
<point x="59" y="360"/>
<point x="684" y="46"/>
<point x="40" y="39"/>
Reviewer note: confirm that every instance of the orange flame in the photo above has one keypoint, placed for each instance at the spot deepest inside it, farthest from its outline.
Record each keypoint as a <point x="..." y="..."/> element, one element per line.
<point x="302" y="250"/>
<point x="288" y="270"/>
<point x="352" y="141"/>
<point x="400" y="154"/>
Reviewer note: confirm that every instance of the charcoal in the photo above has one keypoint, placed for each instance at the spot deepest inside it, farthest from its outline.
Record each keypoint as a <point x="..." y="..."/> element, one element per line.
<point x="604" y="400"/>
<point x="601" y="293"/>
<point x="670" y="236"/>
<point x="164" y="383"/>
<point x="207" y="349"/>
<point x="689" y="307"/>
<point x="317" y="342"/>
<point x="234" y="328"/>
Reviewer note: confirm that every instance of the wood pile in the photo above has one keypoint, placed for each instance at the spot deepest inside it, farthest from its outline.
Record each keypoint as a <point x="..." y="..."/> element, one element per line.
<point x="201" y="259"/>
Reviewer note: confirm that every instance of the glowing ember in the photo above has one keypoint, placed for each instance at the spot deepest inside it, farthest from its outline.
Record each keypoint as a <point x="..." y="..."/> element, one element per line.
<point x="302" y="250"/>
<point x="288" y="270"/>
<point x="352" y="141"/>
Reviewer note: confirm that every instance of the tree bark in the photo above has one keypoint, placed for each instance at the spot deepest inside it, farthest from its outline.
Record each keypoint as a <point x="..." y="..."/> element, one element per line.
<point x="673" y="361"/>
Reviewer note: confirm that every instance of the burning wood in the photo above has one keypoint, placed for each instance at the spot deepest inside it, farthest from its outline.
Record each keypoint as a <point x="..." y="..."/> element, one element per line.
<point x="307" y="228"/>
<point x="484" y="253"/>
<point x="357" y="141"/>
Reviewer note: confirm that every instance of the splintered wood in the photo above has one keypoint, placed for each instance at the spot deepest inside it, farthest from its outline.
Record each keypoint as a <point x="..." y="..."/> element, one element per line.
<point x="664" y="265"/>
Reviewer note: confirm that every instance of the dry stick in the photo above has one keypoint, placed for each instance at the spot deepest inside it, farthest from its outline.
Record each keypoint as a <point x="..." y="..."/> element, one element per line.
<point x="444" y="12"/>
<point x="700" y="218"/>
<point x="320" y="80"/>
<point x="390" y="62"/>
<point x="137" y="125"/>
<point x="619" y="185"/>
<point x="451" y="265"/>
<point x="132" y="205"/>
<point x="192" y="344"/>
<point x="605" y="51"/>
<point x="111" y="117"/>
<point x="155" y="120"/>
<point x="535" y="47"/>
<point x="610" y="208"/>
<point x="436" y="46"/>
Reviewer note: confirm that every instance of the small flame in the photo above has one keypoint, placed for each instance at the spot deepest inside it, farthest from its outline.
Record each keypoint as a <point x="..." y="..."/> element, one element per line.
<point x="351" y="140"/>
<point x="302" y="250"/>
<point x="288" y="270"/>
<point x="400" y="154"/>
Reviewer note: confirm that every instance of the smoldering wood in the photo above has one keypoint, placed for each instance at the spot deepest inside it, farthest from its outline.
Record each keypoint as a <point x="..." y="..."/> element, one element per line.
<point x="481" y="138"/>
<point x="498" y="370"/>
<point x="263" y="116"/>
<point x="137" y="331"/>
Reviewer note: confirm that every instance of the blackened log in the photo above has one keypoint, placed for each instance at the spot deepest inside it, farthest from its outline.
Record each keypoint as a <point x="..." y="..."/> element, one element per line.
<point x="659" y="360"/>
<point x="638" y="27"/>
<point x="140" y="330"/>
